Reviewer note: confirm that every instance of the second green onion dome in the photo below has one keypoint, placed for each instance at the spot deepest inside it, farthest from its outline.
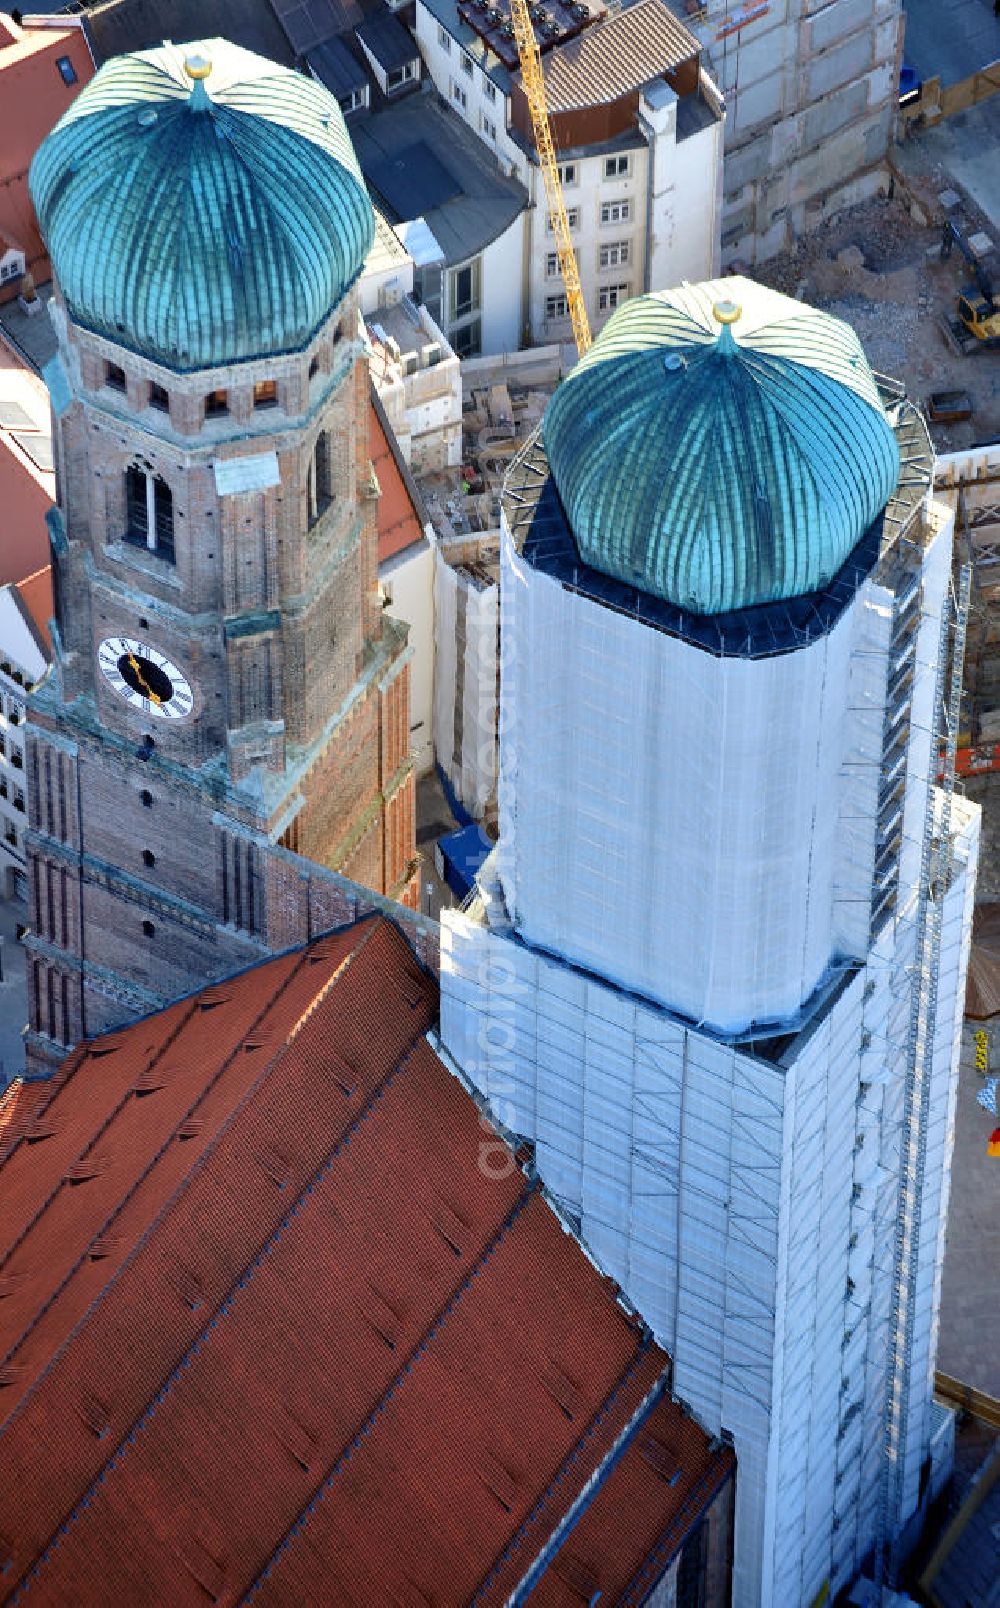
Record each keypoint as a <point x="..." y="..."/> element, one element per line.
<point x="721" y="446"/>
<point x="201" y="205"/>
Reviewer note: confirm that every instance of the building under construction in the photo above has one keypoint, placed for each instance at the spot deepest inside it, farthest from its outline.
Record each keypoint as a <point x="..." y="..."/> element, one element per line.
<point x="715" y="967"/>
<point x="970" y="483"/>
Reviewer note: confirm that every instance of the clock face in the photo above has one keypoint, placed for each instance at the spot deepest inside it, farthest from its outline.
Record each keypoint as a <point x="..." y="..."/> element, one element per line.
<point x="145" y="678"/>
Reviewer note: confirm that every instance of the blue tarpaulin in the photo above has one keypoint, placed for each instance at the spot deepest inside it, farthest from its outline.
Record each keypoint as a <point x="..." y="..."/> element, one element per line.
<point x="459" y="856"/>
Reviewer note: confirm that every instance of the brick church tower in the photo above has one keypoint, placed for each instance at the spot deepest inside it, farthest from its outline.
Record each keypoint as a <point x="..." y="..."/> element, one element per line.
<point x="224" y="679"/>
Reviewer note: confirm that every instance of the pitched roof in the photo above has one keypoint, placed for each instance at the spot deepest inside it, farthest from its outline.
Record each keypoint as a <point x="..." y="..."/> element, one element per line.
<point x="118" y="26"/>
<point x="33" y="95"/>
<point x="36" y="604"/>
<point x="617" y="55"/>
<point x="400" y="516"/>
<point x="391" y="44"/>
<point x="276" y="1324"/>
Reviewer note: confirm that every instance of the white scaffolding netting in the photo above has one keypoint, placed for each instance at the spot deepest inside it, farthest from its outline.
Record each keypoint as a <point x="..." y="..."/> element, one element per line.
<point x="674" y="817"/>
<point x="466" y="609"/>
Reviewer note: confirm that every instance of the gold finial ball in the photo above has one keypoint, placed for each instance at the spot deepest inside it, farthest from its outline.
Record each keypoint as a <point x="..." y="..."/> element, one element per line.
<point x="197" y="67"/>
<point x="726" y="312"/>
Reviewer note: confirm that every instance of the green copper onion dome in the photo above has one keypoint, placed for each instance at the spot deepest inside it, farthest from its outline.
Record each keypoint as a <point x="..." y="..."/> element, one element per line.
<point x="202" y="205"/>
<point x="721" y="446"/>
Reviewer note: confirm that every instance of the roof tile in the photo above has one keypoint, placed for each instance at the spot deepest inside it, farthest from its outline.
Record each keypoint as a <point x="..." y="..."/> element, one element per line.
<point x="311" y="1352"/>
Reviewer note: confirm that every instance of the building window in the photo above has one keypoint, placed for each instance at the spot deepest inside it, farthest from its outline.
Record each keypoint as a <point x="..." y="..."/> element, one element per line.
<point x="18" y="799"/>
<point x="489" y="89"/>
<point x="67" y="71"/>
<point x="459" y="96"/>
<point x="146" y="798"/>
<point x="158" y="397"/>
<point x="148" y="929"/>
<point x="319" y="488"/>
<point x="568" y="174"/>
<point x="114" y="377"/>
<point x="610" y="296"/>
<point x="617" y="167"/>
<point x="556" y="307"/>
<point x="216" y="404"/>
<point x="149" y="513"/>
<point x="467" y="340"/>
<point x="314" y="367"/>
<point x="616" y="211"/>
<point x="489" y="128"/>
<point x="552" y="265"/>
<point x="16" y="757"/>
<point x="11" y="266"/>
<point x="572" y="218"/>
<point x="444" y="40"/>
<point x="148" y="857"/>
<point x="402" y="75"/>
<point x="265" y="394"/>
<point x="463" y="291"/>
<point x="467" y="67"/>
<point x="614" y="255"/>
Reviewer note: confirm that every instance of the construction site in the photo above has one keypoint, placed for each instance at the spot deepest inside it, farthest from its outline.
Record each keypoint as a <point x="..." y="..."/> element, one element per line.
<point x="893" y="269"/>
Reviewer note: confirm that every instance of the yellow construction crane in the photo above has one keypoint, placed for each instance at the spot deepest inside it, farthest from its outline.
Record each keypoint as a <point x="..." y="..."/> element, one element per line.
<point x="533" y="83"/>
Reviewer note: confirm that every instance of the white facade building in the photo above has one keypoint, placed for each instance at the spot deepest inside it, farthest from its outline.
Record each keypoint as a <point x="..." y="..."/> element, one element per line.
<point x="716" y="971"/>
<point x="641" y="163"/>
<point x="24" y="659"/>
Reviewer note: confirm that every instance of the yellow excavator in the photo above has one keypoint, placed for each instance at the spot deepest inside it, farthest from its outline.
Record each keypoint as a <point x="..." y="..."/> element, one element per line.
<point x="977" y="327"/>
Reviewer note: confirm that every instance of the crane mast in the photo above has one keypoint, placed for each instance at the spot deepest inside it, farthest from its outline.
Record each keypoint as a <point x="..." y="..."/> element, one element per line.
<point x="534" y="88"/>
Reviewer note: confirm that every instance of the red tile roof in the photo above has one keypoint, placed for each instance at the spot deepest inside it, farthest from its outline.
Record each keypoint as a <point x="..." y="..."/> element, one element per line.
<point x="269" y="1326"/>
<point x="398" y="524"/>
<point x="37" y="604"/>
<point x="33" y="97"/>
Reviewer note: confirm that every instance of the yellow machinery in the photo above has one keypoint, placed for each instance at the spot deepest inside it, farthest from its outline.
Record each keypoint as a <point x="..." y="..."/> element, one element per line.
<point x="533" y="83"/>
<point x="978" y="307"/>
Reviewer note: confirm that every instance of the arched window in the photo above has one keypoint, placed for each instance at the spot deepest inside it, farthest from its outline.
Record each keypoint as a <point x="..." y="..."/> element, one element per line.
<point x="149" y="512"/>
<point x="320" y="477"/>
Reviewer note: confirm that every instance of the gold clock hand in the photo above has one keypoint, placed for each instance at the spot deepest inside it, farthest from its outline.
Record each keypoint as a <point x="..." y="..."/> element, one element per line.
<point x="150" y="694"/>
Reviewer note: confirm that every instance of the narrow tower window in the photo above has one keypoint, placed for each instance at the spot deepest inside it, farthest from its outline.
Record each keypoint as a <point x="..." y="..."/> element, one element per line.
<point x="265" y="394"/>
<point x="216" y="404"/>
<point x="158" y="397"/>
<point x="114" y="377"/>
<point x="320" y="477"/>
<point x="149" y="513"/>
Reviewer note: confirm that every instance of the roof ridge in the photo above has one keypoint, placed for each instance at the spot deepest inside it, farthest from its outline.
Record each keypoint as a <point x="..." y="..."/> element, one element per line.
<point x="643" y="1349"/>
<point x="162" y="1389"/>
<point x="696" y="1499"/>
<point x="530" y="1190"/>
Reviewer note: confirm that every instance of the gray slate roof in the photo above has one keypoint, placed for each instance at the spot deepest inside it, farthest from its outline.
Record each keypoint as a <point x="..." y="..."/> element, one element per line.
<point x="423" y="140"/>
<point x="119" y="26"/>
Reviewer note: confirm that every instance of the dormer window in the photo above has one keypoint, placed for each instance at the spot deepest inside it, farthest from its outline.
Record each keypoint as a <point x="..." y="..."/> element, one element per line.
<point x="216" y="404"/>
<point x="402" y="75"/>
<point x="114" y="377"/>
<point x="265" y="394"/>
